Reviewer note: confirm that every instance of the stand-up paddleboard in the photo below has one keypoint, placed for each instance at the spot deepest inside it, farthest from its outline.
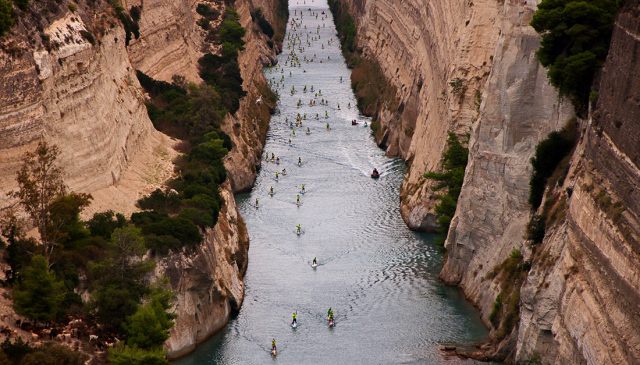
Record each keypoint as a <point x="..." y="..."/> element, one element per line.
<point x="274" y="352"/>
<point x="314" y="265"/>
<point x="294" y="324"/>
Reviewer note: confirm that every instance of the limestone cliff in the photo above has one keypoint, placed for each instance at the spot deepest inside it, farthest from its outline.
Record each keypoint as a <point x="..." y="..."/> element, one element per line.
<point x="580" y="300"/>
<point x="207" y="280"/>
<point x="519" y="109"/>
<point x="471" y="67"/>
<point x="170" y="41"/>
<point x="248" y="126"/>
<point x="421" y="49"/>
<point x="85" y="98"/>
<point x="75" y="85"/>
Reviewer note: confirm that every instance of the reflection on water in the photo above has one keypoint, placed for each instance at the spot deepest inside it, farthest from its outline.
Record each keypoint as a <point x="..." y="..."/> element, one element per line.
<point x="379" y="277"/>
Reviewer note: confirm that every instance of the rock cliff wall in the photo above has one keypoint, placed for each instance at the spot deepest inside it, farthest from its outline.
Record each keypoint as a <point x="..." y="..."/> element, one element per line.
<point x="518" y="110"/>
<point x="579" y="299"/>
<point x="86" y="99"/>
<point x="421" y="48"/>
<point x="208" y="280"/>
<point x="82" y="94"/>
<point x="248" y="126"/>
<point x="170" y="41"/>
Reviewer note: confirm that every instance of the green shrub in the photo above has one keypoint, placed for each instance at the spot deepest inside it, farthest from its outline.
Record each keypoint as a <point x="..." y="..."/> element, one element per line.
<point x="536" y="229"/>
<point x="200" y="217"/>
<point x="149" y="326"/>
<point x="39" y="294"/>
<point x="495" y="310"/>
<point x="103" y="224"/>
<point x="20" y="353"/>
<point x="207" y="11"/>
<point x="548" y="155"/>
<point x="53" y="354"/>
<point x="16" y="350"/>
<point x="130" y="25"/>
<point x="157" y="87"/>
<point x="182" y="229"/>
<point x="510" y="274"/>
<point x="575" y="41"/>
<point x="223" y="72"/>
<point x="454" y="163"/>
<point x="160" y="201"/>
<point x="6" y="16"/>
<point x="88" y="36"/>
<point x="119" y="280"/>
<point x="126" y="355"/>
<point x="135" y="12"/>
<point x="230" y="29"/>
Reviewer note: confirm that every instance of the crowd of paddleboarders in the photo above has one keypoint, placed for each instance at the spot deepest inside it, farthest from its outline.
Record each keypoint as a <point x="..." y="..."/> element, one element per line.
<point x="297" y="47"/>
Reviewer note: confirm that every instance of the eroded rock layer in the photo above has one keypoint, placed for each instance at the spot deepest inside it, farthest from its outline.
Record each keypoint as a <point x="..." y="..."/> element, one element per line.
<point x="86" y="99"/>
<point x="75" y="86"/>
<point x="471" y="67"/>
<point x="208" y="279"/>
<point x="421" y="48"/>
<point x="580" y="301"/>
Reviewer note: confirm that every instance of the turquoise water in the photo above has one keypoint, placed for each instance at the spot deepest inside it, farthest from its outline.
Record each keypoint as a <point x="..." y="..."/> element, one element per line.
<point x="380" y="278"/>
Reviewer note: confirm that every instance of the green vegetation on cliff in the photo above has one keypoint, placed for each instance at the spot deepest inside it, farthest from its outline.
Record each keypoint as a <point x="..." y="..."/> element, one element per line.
<point x="6" y="16"/>
<point x="510" y="275"/>
<point x="262" y="22"/>
<point x="104" y="256"/>
<point x="110" y="257"/>
<point x="549" y="153"/>
<point x="575" y="41"/>
<point x="454" y="163"/>
<point x="222" y="71"/>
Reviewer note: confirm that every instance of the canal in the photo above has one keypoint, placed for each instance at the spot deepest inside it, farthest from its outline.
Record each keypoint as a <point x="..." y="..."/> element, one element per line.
<point x="380" y="278"/>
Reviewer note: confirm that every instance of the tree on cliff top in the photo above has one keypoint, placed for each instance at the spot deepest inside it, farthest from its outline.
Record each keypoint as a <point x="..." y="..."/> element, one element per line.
<point x="40" y="183"/>
<point x="575" y="42"/>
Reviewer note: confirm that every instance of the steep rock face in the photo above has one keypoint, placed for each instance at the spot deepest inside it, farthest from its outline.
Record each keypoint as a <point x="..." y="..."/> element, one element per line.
<point x="421" y="48"/>
<point x="86" y="99"/>
<point x="519" y="109"/>
<point x="248" y="126"/>
<point x="170" y="41"/>
<point x="207" y="280"/>
<point x="580" y="301"/>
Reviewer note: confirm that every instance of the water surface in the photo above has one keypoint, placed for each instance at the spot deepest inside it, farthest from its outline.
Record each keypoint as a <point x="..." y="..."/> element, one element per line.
<point x="380" y="278"/>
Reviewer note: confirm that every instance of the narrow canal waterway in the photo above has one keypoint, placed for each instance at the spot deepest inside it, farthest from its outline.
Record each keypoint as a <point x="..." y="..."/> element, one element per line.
<point x="380" y="278"/>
